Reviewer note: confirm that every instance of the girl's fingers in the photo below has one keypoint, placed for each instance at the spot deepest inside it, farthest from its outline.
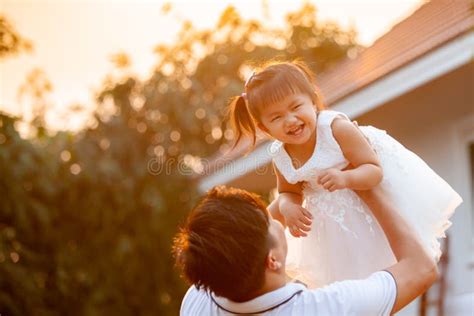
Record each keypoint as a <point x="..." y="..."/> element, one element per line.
<point x="294" y="230"/>
<point x="328" y="184"/>
<point x="298" y="230"/>
<point x="294" y="234"/>
<point x="303" y="227"/>
<point x="324" y="178"/>
<point x="332" y="188"/>
<point x="307" y="213"/>
<point x="302" y="234"/>
<point x="297" y="233"/>
<point x="305" y="220"/>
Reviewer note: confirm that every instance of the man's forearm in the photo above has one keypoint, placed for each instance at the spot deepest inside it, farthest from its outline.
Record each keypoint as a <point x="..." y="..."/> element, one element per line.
<point x="415" y="270"/>
<point x="401" y="236"/>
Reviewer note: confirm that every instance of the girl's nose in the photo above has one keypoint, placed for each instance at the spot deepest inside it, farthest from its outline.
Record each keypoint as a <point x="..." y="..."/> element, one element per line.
<point x="290" y="119"/>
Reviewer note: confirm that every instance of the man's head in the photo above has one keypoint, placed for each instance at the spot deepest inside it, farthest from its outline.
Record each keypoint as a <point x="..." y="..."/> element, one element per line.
<point x="230" y="245"/>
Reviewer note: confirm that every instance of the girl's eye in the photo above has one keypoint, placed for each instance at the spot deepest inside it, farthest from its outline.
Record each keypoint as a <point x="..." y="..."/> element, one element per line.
<point x="275" y="118"/>
<point x="295" y="107"/>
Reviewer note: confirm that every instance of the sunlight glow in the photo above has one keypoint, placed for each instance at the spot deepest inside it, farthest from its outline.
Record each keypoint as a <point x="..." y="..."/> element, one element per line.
<point x="78" y="42"/>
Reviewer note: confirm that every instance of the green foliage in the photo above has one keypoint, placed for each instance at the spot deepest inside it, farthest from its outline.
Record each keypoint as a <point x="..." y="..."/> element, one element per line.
<point x="87" y="219"/>
<point x="98" y="240"/>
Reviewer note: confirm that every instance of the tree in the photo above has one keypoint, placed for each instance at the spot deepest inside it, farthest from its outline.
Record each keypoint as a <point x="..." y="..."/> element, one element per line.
<point x="11" y="43"/>
<point x="35" y="91"/>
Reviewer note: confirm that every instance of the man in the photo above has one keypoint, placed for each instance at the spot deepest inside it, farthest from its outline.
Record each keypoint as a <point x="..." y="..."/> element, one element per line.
<point x="234" y="253"/>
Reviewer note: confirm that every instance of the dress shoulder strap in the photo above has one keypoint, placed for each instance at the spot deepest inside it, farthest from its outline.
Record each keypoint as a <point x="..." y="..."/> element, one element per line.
<point x="330" y="153"/>
<point x="326" y="117"/>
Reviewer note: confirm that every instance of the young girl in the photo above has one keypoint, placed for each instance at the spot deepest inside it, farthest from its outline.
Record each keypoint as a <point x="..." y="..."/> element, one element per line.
<point x="320" y="157"/>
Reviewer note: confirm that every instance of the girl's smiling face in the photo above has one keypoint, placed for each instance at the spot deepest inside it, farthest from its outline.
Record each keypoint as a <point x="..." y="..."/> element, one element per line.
<point x="291" y="121"/>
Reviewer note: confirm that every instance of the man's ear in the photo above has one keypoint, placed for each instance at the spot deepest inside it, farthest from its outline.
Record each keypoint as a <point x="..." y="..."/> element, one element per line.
<point x="272" y="261"/>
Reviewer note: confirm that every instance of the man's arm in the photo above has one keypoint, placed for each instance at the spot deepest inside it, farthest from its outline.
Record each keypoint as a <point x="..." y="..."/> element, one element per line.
<point x="415" y="270"/>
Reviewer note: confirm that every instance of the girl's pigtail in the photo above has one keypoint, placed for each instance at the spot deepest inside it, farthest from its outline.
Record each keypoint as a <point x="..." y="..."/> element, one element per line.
<point x="241" y="120"/>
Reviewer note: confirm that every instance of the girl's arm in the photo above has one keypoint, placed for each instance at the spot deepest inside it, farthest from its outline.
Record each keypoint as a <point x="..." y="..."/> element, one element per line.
<point x="287" y="191"/>
<point x="366" y="172"/>
<point x="287" y="207"/>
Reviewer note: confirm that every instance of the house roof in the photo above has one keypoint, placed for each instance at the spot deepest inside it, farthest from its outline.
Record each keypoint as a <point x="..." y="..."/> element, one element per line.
<point x="433" y="24"/>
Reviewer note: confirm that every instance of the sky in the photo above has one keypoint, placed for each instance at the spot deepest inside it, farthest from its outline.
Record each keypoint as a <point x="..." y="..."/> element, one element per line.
<point x="74" y="39"/>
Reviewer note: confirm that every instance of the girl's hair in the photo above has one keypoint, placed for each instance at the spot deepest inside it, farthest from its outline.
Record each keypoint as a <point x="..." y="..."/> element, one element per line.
<point x="268" y="85"/>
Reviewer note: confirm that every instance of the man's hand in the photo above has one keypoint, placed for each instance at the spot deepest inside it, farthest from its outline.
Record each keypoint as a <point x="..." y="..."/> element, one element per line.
<point x="297" y="218"/>
<point x="333" y="179"/>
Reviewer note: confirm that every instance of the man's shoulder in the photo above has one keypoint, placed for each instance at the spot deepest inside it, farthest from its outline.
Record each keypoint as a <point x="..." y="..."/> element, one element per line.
<point x="194" y="301"/>
<point x="374" y="295"/>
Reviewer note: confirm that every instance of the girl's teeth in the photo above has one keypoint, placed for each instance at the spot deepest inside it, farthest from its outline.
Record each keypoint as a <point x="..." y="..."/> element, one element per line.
<point x="297" y="131"/>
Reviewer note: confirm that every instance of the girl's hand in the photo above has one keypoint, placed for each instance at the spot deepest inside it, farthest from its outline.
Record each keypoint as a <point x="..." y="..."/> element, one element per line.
<point x="333" y="179"/>
<point x="297" y="218"/>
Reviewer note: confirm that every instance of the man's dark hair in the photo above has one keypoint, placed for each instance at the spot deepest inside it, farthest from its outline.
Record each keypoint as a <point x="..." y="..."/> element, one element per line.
<point x="224" y="243"/>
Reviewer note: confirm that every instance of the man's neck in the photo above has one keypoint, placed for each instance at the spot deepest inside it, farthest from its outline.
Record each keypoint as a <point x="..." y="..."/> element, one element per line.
<point x="273" y="281"/>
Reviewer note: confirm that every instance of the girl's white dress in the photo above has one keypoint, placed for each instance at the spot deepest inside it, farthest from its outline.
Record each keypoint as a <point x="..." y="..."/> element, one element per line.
<point x="346" y="242"/>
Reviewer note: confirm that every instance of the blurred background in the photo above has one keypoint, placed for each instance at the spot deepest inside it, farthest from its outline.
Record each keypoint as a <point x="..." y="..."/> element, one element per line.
<point x="113" y="123"/>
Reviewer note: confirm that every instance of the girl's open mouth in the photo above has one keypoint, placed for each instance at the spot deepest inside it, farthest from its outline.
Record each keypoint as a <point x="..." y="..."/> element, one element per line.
<point x="297" y="131"/>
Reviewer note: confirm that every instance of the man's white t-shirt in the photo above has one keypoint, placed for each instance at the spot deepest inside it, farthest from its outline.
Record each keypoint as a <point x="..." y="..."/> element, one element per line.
<point x="372" y="296"/>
